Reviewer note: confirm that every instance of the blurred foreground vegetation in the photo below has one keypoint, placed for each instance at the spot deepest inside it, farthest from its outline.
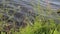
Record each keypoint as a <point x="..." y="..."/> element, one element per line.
<point x="42" y="27"/>
<point x="45" y="23"/>
<point x="39" y="27"/>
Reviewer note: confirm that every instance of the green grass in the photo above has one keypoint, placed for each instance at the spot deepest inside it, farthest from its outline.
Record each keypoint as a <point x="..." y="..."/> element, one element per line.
<point x="40" y="26"/>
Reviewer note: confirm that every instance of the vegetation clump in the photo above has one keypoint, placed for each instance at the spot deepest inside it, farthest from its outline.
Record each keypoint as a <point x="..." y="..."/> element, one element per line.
<point x="17" y="18"/>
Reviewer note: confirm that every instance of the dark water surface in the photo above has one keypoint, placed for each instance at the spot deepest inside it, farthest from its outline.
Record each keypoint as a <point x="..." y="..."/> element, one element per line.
<point x="54" y="4"/>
